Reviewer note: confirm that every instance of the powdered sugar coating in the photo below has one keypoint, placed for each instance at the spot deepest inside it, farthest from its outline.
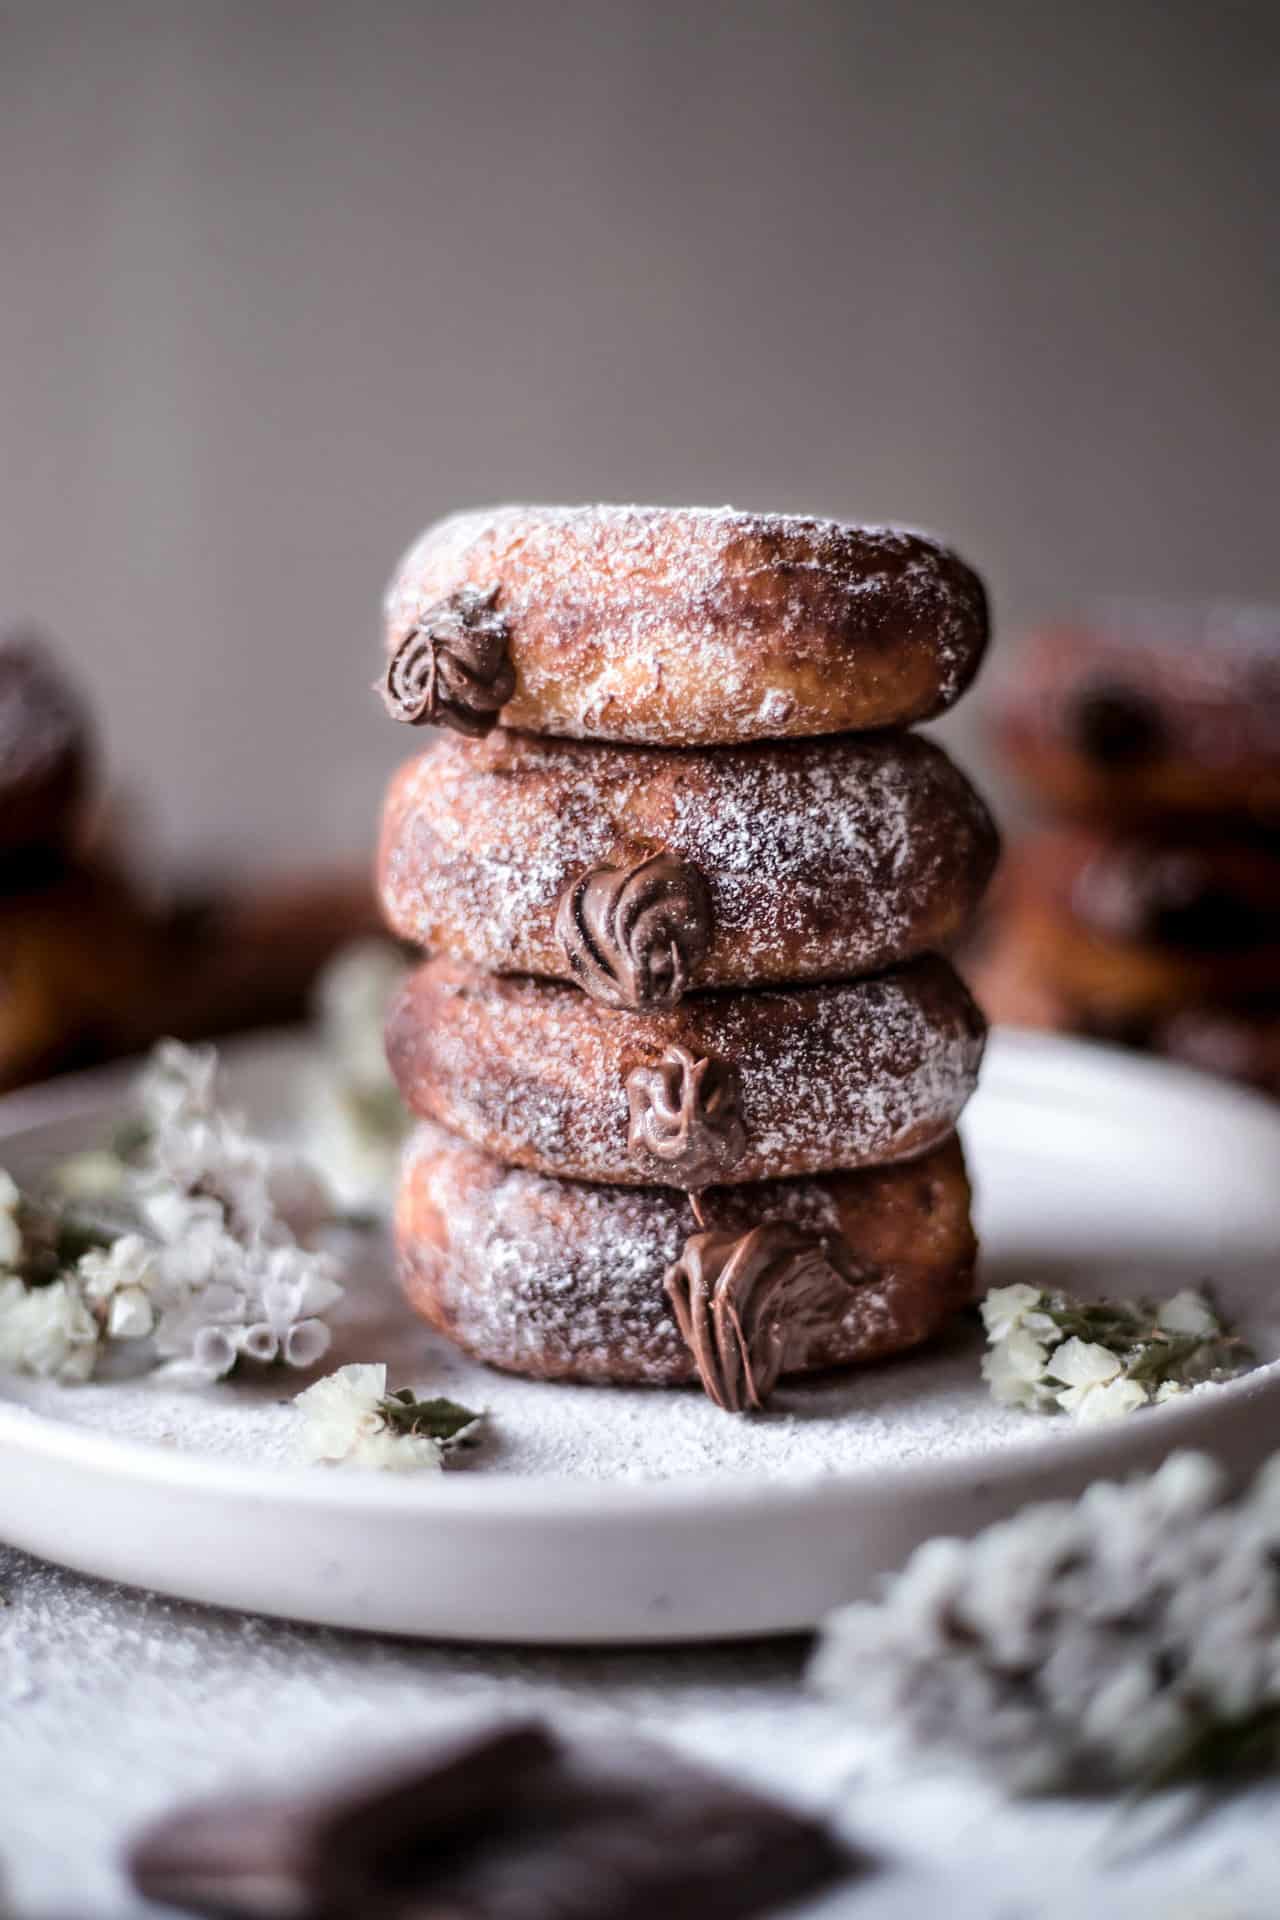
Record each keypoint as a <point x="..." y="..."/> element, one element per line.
<point x="705" y="626"/>
<point x="565" y="1280"/>
<point x="535" y="1073"/>
<point x="824" y="860"/>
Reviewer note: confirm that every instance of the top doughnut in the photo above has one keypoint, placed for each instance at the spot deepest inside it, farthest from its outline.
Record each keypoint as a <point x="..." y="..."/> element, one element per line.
<point x="677" y="626"/>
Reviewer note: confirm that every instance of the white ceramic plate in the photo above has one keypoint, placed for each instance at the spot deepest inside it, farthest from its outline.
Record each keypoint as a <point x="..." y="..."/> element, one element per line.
<point x="607" y="1515"/>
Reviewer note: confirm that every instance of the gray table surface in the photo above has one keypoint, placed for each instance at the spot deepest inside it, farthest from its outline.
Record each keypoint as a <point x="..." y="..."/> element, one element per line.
<point x="114" y="1705"/>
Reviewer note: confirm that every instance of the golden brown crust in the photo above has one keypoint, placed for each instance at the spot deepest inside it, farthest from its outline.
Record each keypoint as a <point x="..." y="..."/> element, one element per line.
<point x="537" y="1074"/>
<point x="564" y="1281"/>
<point x="703" y="626"/>
<point x="823" y="860"/>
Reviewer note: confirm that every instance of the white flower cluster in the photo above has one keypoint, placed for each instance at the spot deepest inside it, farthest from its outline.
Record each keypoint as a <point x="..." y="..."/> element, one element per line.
<point x="1050" y="1352"/>
<point x="350" y="1420"/>
<point x="1120" y="1639"/>
<point x="46" y="1330"/>
<point x="221" y="1267"/>
<point x="354" y="1118"/>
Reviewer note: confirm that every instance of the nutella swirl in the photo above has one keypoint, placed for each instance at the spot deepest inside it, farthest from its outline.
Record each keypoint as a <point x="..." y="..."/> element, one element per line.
<point x="686" y="1115"/>
<point x="734" y="1296"/>
<point x="453" y="668"/>
<point x="634" y="935"/>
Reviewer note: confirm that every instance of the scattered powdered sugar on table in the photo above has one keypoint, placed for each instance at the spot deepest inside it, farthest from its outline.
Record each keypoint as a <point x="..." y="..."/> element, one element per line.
<point x="117" y="1706"/>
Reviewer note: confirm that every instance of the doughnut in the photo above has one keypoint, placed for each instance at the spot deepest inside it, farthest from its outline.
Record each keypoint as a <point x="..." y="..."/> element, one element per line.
<point x="1207" y="896"/>
<point x="74" y="951"/>
<point x="44" y="751"/>
<point x="1003" y="971"/>
<point x="1131" y="930"/>
<point x="566" y="1281"/>
<point x="250" y="956"/>
<point x="677" y="626"/>
<point x="1150" y="715"/>
<point x="726" y="1087"/>
<point x="802" y="860"/>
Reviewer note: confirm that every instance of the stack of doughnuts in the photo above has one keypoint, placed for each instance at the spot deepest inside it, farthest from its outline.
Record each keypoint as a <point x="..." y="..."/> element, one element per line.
<point x="1149" y="913"/>
<point x="685" y="1057"/>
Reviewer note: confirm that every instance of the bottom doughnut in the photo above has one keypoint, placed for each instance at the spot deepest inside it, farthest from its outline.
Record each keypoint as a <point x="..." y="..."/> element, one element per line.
<point x="563" y="1280"/>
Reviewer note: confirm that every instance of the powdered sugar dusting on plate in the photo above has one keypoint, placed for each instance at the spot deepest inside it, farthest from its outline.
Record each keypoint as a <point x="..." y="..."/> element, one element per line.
<point x="924" y="1406"/>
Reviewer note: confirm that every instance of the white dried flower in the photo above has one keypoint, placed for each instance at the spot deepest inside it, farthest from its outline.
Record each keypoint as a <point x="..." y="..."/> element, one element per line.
<point x="343" y="1424"/>
<point x="200" y="1329"/>
<point x="96" y="1174"/>
<point x="1083" y="1367"/>
<point x="178" y="1085"/>
<point x="1102" y="1360"/>
<point x="119" y="1283"/>
<point x="1187" y="1312"/>
<point x="353" y="1117"/>
<point x="47" y="1331"/>
<point x="10" y="1231"/>
<point x="293" y="1288"/>
<point x="1098" y="1402"/>
<point x="349" y="1419"/>
<point x="1014" y="1369"/>
<point x="199" y="1149"/>
<point x="1132" y="1633"/>
<point x="219" y="1271"/>
<point x="1004" y="1309"/>
<point x="352" y="998"/>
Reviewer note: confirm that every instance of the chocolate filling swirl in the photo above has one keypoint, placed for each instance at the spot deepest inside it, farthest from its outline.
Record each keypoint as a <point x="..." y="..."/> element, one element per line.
<point x="634" y="935"/>
<point x="686" y="1116"/>
<point x="734" y="1295"/>
<point x="453" y="668"/>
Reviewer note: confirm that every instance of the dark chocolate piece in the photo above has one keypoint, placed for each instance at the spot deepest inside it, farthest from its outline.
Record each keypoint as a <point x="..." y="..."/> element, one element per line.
<point x="734" y="1296"/>
<point x="686" y="1117"/>
<point x="454" y="668"/>
<point x="514" y="1826"/>
<point x="634" y="935"/>
<point x="330" y="1852"/>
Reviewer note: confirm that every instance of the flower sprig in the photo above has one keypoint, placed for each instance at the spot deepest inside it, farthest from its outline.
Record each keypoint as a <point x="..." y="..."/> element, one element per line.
<point x="1131" y="1638"/>
<point x="350" y="1419"/>
<point x="1050" y="1352"/>
<point x="354" y="1120"/>
<point x="196" y="1243"/>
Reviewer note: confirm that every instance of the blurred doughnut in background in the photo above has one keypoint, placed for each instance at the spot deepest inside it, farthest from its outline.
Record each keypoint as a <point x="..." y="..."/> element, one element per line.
<point x="1147" y="910"/>
<point x="92" y="963"/>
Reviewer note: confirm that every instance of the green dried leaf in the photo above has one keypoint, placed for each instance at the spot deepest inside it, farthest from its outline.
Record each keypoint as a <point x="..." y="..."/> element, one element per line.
<point x="441" y="1420"/>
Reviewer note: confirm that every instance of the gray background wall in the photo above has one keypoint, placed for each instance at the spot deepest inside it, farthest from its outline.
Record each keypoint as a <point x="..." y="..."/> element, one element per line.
<point x="278" y="284"/>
